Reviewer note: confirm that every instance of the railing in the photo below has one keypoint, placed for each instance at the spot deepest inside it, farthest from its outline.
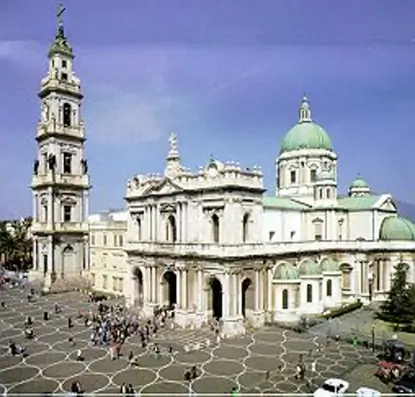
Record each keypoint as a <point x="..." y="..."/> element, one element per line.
<point x="58" y="128"/>
<point x="72" y="227"/>
<point x="68" y="179"/>
<point x="247" y="249"/>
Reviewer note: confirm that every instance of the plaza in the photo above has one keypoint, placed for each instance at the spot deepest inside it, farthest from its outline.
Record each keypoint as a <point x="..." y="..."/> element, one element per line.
<point x="240" y="362"/>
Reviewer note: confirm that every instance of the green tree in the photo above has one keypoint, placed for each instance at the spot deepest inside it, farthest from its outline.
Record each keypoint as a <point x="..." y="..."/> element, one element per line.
<point x="399" y="308"/>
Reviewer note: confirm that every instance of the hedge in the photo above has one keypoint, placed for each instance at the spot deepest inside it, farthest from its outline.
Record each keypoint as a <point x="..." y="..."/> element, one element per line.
<point x="343" y="310"/>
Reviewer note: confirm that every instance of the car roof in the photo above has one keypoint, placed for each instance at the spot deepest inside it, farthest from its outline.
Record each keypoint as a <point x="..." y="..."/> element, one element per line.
<point x="368" y="390"/>
<point x="335" y="381"/>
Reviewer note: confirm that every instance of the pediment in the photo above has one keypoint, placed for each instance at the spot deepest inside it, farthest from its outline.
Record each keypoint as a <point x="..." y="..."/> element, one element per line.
<point x="68" y="200"/>
<point x="166" y="186"/>
<point x="388" y="205"/>
<point x="168" y="207"/>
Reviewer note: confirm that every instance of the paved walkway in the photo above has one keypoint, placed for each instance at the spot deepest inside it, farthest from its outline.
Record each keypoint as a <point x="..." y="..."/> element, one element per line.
<point x="240" y="362"/>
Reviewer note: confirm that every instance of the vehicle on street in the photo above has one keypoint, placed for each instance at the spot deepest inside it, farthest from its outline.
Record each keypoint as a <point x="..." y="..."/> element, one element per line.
<point x="405" y="385"/>
<point x="332" y="387"/>
<point x="367" y="392"/>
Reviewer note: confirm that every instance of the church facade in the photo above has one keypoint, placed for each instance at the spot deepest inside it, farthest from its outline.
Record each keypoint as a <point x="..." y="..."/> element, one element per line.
<point x="211" y="243"/>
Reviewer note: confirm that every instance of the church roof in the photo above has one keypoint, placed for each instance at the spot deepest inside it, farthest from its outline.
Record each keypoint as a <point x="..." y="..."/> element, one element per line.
<point x="359" y="202"/>
<point x="283" y="203"/>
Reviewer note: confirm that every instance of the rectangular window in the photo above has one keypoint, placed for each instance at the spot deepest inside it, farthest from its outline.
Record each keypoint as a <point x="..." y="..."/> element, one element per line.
<point x="64" y="76"/>
<point x="293" y="177"/>
<point x="328" y="194"/>
<point x="67" y="163"/>
<point x="120" y="241"/>
<point x="64" y="63"/>
<point x="318" y="231"/>
<point x="92" y="239"/>
<point x="67" y="213"/>
<point x="271" y="236"/>
<point x="309" y="293"/>
<point x="104" y="239"/>
<point x="320" y="193"/>
<point x="104" y="282"/>
<point x="45" y="213"/>
<point x="313" y="175"/>
<point x="115" y="240"/>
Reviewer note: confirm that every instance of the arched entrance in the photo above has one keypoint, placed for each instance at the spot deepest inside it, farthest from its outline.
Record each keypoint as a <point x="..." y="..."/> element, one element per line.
<point x="138" y="286"/>
<point x="68" y="260"/>
<point x="245" y="295"/>
<point x="170" y="287"/>
<point x="216" y="287"/>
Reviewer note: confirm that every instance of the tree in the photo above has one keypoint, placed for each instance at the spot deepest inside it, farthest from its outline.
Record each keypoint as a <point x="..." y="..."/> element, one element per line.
<point x="16" y="243"/>
<point x="399" y="308"/>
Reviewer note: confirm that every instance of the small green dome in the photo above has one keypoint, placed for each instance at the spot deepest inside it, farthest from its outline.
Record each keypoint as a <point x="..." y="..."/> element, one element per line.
<point x="330" y="265"/>
<point x="394" y="228"/>
<point x="310" y="268"/>
<point x="286" y="271"/>
<point x="306" y="134"/>
<point x="325" y="175"/>
<point x="359" y="183"/>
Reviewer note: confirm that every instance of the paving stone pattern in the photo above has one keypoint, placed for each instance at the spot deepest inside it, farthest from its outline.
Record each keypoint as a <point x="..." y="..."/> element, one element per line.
<point x="240" y="362"/>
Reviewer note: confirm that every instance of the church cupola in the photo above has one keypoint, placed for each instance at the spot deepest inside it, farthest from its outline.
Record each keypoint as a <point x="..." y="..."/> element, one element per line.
<point x="325" y="188"/>
<point x="305" y="111"/>
<point x="173" y="166"/>
<point x="359" y="188"/>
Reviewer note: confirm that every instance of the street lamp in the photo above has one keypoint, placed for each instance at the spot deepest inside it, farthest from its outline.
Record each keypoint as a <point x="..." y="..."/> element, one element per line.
<point x="373" y="337"/>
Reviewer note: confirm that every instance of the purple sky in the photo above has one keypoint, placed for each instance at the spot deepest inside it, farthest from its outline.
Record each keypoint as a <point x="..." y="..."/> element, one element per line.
<point x="226" y="76"/>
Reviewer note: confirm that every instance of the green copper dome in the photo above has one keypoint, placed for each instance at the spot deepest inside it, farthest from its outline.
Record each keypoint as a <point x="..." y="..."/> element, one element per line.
<point x="310" y="268"/>
<point x="330" y="265"/>
<point x="359" y="183"/>
<point x="306" y="134"/>
<point x="395" y="228"/>
<point x="286" y="271"/>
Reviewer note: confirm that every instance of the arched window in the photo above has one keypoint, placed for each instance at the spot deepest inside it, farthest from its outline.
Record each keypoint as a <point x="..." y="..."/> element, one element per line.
<point x="285" y="299"/>
<point x="309" y="293"/>
<point x="171" y="230"/>
<point x="67" y="115"/>
<point x="215" y="228"/>
<point x="329" y="287"/>
<point x="245" y="228"/>
<point x="328" y="193"/>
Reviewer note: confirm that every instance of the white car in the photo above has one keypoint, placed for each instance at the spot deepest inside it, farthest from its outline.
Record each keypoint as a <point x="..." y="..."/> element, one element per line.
<point x="367" y="392"/>
<point x="332" y="387"/>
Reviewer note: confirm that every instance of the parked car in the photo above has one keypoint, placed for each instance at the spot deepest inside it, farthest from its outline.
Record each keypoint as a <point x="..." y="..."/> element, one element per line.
<point x="367" y="392"/>
<point x="332" y="387"/>
<point x="406" y="384"/>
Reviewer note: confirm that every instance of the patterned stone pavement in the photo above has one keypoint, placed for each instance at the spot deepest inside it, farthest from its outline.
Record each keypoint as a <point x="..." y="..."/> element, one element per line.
<point x="242" y="362"/>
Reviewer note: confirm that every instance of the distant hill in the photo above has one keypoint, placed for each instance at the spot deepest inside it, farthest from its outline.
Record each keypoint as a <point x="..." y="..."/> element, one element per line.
<point x="406" y="210"/>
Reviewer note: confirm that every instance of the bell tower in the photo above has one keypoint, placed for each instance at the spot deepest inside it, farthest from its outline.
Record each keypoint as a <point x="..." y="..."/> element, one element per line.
<point x="60" y="181"/>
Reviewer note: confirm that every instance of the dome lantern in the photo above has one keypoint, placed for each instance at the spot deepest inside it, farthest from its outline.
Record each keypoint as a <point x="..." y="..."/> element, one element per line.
<point x="305" y="111"/>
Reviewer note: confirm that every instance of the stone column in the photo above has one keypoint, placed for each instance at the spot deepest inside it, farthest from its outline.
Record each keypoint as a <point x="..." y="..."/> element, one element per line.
<point x="147" y="223"/>
<point x="200" y="290"/>
<point x="239" y="291"/>
<point x="184" y="221"/>
<point x="154" y="223"/>
<point x="256" y="290"/>
<point x="86" y="207"/>
<point x="146" y="285"/>
<point x="50" y="207"/>
<point x="35" y="207"/>
<point x="35" y="254"/>
<point x="154" y="284"/>
<point x="86" y="253"/>
<point x="179" y="222"/>
<point x="184" y="289"/>
<point x="269" y="289"/>
<point x="225" y="296"/>
<point x="235" y="296"/>
<point x="51" y="261"/>
<point x="178" y="288"/>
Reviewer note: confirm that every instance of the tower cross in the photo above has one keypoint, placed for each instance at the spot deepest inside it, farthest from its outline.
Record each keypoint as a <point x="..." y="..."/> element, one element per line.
<point x="61" y="10"/>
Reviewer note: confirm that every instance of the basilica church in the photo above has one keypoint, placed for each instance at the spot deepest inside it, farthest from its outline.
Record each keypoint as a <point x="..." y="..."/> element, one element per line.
<point x="214" y="242"/>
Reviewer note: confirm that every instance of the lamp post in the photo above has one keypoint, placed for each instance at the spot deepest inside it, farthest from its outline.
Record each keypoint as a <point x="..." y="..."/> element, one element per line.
<point x="373" y="337"/>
